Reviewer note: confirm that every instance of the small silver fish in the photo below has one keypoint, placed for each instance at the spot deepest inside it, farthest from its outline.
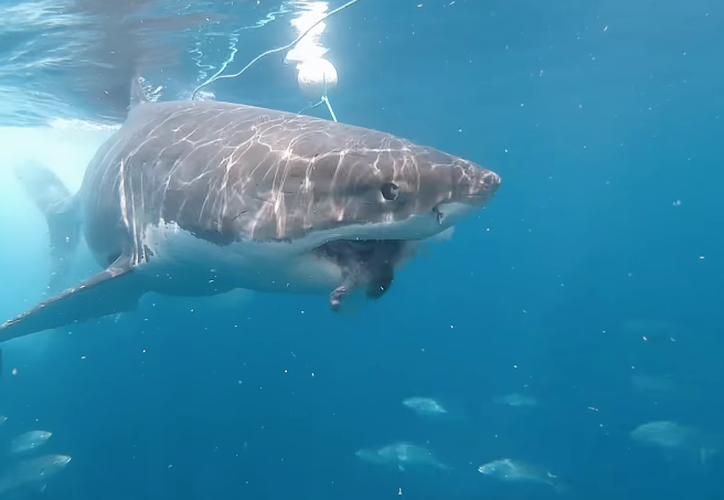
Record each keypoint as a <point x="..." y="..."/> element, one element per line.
<point x="674" y="438"/>
<point x="424" y="406"/>
<point x="402" y="455"/>
<point x="29" y="441"/>
<point x="33" y="472"/>
<point x="509" y="470"/>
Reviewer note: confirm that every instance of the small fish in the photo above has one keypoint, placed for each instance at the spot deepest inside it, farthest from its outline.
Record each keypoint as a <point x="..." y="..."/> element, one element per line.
<point x="402" y="455"/>
<point x="674" y="438"/>
<point x="32" y="473"/>
<point x="516" y="400"/>
<point x="29" y="441"/>
<point x="3" y="419"/>
<point x="424" y="406"/>
<point x="509" y="470"/>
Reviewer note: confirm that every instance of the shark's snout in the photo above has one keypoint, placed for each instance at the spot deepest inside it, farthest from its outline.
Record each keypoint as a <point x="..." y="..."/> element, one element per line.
<point x="491" y="181"/>
<point x="475" y="185"/>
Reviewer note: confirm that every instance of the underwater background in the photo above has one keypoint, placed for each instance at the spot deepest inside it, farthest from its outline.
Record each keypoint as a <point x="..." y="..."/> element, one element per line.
<point x="583" y="303"/>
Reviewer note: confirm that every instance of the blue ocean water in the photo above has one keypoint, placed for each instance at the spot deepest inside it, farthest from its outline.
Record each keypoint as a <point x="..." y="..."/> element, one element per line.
<point x="592" y="282"/>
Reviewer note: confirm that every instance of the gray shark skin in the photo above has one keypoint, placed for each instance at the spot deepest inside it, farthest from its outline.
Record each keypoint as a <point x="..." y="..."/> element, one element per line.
<point x="197" y="198"/>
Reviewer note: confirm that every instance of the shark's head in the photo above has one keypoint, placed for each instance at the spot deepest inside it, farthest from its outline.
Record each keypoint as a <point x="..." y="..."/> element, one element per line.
<point x="366" y="204"/>
<point x="404" y="192"/>
<point x="430" y="191"/>
<point x="270" y="176"/>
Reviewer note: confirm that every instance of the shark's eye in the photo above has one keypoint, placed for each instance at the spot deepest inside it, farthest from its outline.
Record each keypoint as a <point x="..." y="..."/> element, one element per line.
<point x="390" y="191"/>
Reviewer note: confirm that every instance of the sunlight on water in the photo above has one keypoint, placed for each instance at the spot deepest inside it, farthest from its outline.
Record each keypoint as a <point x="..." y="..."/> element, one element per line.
<point x="310" y="47"/>
<point x="33" y="39"/>
<point x="77" y="59"/>
<point x="205" y="43"/>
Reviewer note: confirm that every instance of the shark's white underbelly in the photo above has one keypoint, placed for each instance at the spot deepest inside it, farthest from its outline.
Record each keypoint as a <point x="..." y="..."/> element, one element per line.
<point x="183" y="264"/>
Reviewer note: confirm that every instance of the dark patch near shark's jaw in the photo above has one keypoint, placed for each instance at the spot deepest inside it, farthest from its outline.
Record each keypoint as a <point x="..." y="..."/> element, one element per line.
<point x="366" y="263"/>
<point x="369" y="263"/>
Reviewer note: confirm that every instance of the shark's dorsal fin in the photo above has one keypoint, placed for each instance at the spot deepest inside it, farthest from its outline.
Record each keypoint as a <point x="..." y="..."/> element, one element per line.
<point x="138" y="92"/>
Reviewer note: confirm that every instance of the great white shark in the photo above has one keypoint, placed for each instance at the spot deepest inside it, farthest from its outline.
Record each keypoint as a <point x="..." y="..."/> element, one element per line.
<point x="197" y="198"/>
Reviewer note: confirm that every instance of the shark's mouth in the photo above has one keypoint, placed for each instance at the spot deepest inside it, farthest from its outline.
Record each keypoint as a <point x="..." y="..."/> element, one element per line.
<point x="368" y="264"/>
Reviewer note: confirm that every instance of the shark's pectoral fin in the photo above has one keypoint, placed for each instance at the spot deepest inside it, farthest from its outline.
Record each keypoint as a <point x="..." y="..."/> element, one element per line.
<point x="114" y="290"/>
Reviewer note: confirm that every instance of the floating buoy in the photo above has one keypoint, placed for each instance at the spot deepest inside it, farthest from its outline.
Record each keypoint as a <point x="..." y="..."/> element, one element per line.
<point x="316" y="77"/>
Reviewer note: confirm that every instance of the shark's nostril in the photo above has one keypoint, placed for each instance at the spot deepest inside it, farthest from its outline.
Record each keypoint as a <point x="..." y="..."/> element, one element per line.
<point x="491" y="180"/>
